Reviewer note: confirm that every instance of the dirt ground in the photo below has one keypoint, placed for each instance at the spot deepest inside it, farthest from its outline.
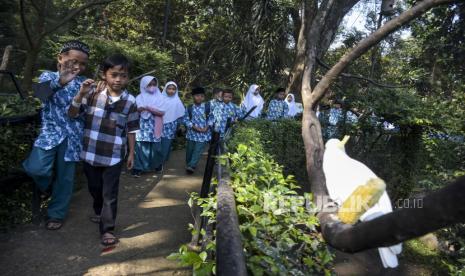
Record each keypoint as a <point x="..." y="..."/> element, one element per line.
<point x="151" y="224"/>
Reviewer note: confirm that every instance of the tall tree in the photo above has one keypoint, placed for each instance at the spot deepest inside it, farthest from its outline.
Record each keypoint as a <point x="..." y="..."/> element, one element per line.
<point x="311" y="129"/>
<point x="40" y="19"/>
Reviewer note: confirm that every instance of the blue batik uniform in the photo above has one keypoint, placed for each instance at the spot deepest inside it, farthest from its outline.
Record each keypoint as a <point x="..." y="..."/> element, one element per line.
<point x="59" y="143"/>
<point x="169" y="134"/>
<point x="225" y="112"/>
<point x="146" y="132"/>
<point x="196" y="141"/>
<point x="332" y="119"/>
<point x="214" y="103"/>
<point x="277" y="109"/>
<point x="169" y="129"/>
<point x="148" y="153"/>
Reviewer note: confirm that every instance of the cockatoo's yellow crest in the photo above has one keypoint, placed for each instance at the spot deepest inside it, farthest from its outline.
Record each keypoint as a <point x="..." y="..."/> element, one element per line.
<point x="343" y="142"/>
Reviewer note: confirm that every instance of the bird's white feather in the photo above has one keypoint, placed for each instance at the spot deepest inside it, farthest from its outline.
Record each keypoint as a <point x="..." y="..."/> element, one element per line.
<point x="343" y="175"/>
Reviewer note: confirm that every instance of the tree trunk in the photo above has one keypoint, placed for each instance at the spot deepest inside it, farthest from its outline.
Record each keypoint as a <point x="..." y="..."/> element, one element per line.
<point x="5" y="61"/>
<point x="6" y="57"/>
<point x="314" y="149"/>
<point x="330" y="15"/>
<point x="29" y="68"/>
<point x="165" y="22"/>
<point x="444" y="207"/>
<point x="308" y="11"/>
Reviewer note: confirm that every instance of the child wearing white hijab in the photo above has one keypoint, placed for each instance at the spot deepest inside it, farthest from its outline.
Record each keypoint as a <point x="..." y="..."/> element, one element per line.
<point x="150" y="104"/>
<point x="290" y="100"/>
<point x="252" y="99"/>
<point x="173" y="117"/>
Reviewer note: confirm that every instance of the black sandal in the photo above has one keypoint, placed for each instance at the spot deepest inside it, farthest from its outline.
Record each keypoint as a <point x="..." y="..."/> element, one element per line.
<point x="108" y="239"/>
<point x="53" y="224"/>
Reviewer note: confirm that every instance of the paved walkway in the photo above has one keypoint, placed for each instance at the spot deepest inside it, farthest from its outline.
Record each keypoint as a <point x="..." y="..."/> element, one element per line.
<point x="152" y="223"/>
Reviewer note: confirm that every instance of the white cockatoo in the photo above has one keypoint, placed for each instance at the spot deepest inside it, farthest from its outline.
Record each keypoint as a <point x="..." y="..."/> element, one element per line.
<point x="343" y="176"/>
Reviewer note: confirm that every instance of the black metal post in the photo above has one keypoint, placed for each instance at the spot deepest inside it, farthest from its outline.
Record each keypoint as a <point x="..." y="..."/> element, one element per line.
<point x="207" y="176"/>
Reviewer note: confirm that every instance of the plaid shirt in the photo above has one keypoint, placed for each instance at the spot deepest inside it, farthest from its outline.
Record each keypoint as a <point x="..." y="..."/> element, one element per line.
<point x="106" y="127"/>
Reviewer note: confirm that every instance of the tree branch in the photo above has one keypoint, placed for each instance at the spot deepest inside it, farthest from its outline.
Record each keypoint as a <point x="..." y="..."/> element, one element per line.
<point x="24" y="23"/>
<point x="346" y="75"/>
<point x="36" y="7"/>
<point x="73" y="14"/>
<point x="371" y="40"/>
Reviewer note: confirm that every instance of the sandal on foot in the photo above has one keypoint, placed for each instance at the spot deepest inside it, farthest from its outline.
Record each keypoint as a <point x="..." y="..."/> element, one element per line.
<point x="95" y="218"/>
<point x="53" y="224"/>
<point x="109" y="239"/>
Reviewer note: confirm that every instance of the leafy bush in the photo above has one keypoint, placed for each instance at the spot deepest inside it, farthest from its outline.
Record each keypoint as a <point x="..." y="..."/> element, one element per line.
<point x="282" y="140"/>
<point x="278" y="227"/>
<point x="11" y="106"/>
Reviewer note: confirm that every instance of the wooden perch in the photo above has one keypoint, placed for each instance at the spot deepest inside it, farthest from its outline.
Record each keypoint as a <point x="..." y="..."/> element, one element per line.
<point x="440" y="209"/>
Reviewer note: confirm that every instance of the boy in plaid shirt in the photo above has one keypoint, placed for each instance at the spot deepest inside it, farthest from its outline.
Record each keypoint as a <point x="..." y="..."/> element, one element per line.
<point x="111" y="117"/>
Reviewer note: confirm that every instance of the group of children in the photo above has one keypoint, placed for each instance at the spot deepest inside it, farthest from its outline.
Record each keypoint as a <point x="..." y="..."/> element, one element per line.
<point x="102" y="124"/>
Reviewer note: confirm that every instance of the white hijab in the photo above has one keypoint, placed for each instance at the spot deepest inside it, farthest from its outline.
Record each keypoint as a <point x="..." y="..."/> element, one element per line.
<point x="251" y="100"/>
<point x="146" y="99"/>
<point x="292" y="106"/>
<point x="174" y="108"/>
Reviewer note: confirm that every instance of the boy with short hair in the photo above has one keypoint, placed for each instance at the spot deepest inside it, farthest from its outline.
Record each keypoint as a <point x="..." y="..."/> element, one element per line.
<point x="226" y="111"/>
<point x="198" y="119"/>
<point x="111" y="117"/>
<point x="217" y="98"/>
<point x="278" y="109"/>
<point x="59" y="142"/>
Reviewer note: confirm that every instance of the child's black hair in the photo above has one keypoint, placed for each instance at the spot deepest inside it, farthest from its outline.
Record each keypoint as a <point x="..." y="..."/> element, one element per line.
<point x="115" y="60"/>
<point x="279" y="90"/>
<point x="198" y="90"/>
<point x="217" y="90"/>
<point x="75" y="45"/>
<point x="228" y="91"/>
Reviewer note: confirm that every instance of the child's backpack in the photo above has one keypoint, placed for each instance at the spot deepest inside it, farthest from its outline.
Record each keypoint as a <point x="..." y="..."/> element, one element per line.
<point x="207" y="110"/>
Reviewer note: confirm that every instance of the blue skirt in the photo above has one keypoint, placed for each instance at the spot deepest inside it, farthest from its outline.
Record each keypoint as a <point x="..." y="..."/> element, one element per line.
<point x="148" y="156"/>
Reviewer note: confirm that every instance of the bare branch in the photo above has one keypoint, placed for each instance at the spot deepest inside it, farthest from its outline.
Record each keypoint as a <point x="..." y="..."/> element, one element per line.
<point x="371" y="40"/>
<point x="36" y="7"/>
<point x="22" y="12"/>
<point x="346" y="75"/>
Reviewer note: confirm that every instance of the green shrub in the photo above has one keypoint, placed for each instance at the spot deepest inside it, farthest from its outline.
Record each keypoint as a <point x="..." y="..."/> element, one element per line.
<point x="278" y="227"/>
<point x="281" y="139"/>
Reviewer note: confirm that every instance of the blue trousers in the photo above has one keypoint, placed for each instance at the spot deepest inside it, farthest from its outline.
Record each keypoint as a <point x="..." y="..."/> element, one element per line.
<point x="193" y="152"/>
<point x="166" y="148"/>
<point x="40" y="165"/>
<point x="148" y="156"/>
